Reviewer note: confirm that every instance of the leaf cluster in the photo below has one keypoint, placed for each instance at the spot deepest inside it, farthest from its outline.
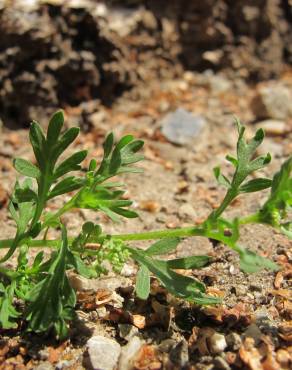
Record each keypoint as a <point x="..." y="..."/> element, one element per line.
<point x="39" y="292"/>
<point x="105" y="196"/>
<point x="43" y="287"/>
<point x="275" y="210"/>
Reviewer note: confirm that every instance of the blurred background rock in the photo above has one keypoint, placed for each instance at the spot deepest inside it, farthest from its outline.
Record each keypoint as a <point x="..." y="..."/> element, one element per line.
<point x="89" y="53"/>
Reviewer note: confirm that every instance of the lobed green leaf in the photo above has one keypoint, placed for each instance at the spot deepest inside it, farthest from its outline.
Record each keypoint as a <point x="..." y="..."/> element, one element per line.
<point x="66" y="139"/>
<point x="54" y="128"/>
<point x="255" y="185"/>
<point x="70" y="164"/>
<point x="115" y="162"/>
<point x="38" y="142"/>
<point x="108" y="144"/>
<point x="179" y="285"/>
<point x="26" y="168"/>
<point x="66" y="185"/>
<point x="222" y="180"/>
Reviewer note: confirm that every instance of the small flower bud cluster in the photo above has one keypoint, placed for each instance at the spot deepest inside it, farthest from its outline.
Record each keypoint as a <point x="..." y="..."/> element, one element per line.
<point x="114" y="251"/>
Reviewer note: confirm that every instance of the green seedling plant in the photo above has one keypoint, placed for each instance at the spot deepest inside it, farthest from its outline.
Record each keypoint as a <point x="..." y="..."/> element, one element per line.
<point x="37" y="294"/>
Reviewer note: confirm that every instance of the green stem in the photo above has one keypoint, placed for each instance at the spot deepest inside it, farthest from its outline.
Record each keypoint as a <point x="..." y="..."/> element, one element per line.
<point x="44" y="186"/>
<point x="66" y="207"/>
<point x="147" y="235"/>
<point x="229" y="197"/>
<point x="160" y="234"/>
<point x="6" y="243"/>
<point x="251" y="219"/>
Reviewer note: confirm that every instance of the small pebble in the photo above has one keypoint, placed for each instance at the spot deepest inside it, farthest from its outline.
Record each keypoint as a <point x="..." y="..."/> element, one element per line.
<point x="217" y="343"/>
<point x="43" y="354"/>
<point x="103" y="352"/>
<point x="254" y="332"/>
<point x="127" y="331"/>
<point x="241" y="289"/>
<point x="129" y="353"/>
<point x="64" y="364"/>
<point x="179" y="354"/>
<point x="234" y="341"/>
<point x="181" y="126"/>
<point x="232" y="270"/>
<point x="273" y="127"/>
<point x="256" y="287"/>
<point x="273" y="101"/>
<point x="166" y="345"/>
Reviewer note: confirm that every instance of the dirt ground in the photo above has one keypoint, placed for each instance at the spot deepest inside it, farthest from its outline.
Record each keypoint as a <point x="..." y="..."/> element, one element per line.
<point x="252" y="328"/>
<point x="177" y="188"/>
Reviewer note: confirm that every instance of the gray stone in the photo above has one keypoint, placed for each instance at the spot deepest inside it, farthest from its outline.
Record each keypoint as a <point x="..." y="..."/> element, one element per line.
<point x="273" y="101"/>
<point x="127" y="331"/>
<point x="181" y="127"/>
<point x="254" y="332"/>
<point x="217" y="343"/>
<point x="233" y="341"/>
<point x="129" y="352"/>
<point x="179" y="354"/>
<point x="103" y="352"/>
<point x="166" y="345"/>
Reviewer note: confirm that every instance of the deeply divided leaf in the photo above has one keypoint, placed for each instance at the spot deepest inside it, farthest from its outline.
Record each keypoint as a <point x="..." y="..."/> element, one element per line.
<point x="179" y="285"/>
<point x="52" y="300"/>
